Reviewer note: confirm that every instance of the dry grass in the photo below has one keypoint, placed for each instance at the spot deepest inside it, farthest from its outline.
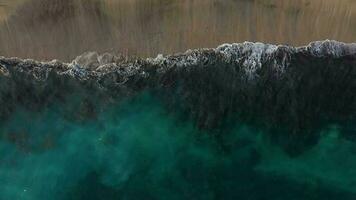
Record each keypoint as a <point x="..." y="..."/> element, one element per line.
<point x="47" y="29"/>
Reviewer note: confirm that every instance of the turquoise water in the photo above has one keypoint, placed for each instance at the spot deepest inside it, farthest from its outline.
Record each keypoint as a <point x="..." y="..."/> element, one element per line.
<point x="136" y="149"/>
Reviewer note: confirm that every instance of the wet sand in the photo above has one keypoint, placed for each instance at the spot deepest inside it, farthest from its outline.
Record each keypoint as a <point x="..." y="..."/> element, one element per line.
<point x="62" y="29"/>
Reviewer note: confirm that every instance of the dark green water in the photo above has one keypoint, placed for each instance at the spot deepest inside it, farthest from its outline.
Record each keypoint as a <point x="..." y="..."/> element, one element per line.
<point x="139" y="150"/>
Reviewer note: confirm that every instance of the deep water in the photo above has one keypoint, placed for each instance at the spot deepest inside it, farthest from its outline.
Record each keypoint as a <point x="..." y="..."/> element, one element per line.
<point x="137" y="149"/>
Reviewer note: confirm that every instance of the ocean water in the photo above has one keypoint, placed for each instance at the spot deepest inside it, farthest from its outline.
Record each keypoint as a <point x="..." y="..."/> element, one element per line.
<point x="139" y="149"/>
<point x="243" y="121"/>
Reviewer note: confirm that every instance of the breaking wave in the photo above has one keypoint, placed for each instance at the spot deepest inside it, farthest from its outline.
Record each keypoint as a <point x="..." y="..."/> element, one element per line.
<point x="242" y="121"/>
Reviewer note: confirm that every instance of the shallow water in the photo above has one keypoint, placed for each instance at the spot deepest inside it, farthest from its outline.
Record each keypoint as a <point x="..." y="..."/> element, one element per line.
<point x="48" y="29"/>
<point x="123" y="153"/>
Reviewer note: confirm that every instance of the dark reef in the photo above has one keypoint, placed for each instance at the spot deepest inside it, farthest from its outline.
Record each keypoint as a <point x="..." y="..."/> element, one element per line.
<point x="277" y="87"/>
